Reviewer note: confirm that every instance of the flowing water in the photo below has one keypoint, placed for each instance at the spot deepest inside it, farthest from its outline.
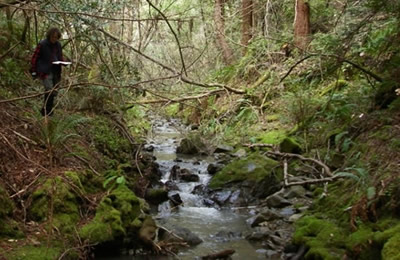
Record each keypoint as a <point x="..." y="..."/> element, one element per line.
<point x="219" y="229"/>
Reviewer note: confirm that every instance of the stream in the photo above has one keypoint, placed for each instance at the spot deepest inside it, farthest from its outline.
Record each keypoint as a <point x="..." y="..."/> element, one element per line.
<point x="219" y="229"/>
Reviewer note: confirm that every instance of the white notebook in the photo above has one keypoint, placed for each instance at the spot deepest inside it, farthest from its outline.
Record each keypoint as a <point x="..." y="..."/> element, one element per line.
<point x="62" y="62"/>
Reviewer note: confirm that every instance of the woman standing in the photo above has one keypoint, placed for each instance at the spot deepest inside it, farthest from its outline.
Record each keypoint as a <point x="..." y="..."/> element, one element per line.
<point x="47" y="52"/>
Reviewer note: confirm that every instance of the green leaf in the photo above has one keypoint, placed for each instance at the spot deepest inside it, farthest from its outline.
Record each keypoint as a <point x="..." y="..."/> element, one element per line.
<point x="348" y="175"/>
<point x="120" y="180"/>
<point x="371" y="192"/>
<point x="106" y="182"/>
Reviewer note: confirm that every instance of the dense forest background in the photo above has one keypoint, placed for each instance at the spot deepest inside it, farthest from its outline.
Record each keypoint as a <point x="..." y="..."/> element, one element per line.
<point x="324" y="74"/>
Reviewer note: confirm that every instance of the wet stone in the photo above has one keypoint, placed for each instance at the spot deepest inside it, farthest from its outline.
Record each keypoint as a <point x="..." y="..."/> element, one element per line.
<point x="295" y="192"/>
<point x="200" y="189"/>
<point x="240" y="153"/>
<point x="214" y="168"/>
<point x="235" y="196"/>
<point x="187" y="235"/>
<point x="295" y="217"/>
<point x="270" y="215"/>
<point x="209" y="203"/>
<point x="225" y="236"/>
<point x="175" y="199"/>
<point x="221" y="197"/>
<point x="223" y="149"/>
<point x="276" y="201"/>
<point x="260" y="235"/>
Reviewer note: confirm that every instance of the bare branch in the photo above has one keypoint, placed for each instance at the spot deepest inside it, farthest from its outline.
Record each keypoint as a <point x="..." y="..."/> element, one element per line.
<point x="9" y="50"/>
<point x="314" y="181"/>
<point x="173" y="32"/>
<point x="89" y="14"/>
<point x="327" y="171"/>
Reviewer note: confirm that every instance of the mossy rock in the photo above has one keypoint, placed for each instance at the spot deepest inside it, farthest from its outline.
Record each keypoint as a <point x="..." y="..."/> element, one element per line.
<point x="392" y="228"/>
<point x="156" y="196"/>
<point x="272" y="137"/>
<point x="56" y="195"/>
<point x="391" y="249"/>
<point x="115" y="217"/>
<point x="193" y="144"/>
<point x="255" y="168"/>
<point x="324" y="239"/>
<point x="7" y="205"/>
<point x="290" y="145"/>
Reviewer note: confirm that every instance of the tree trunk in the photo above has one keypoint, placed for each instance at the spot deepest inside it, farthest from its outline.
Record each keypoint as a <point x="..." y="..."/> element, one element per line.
<point x="247" y="23"/>
<point x="302" y="25"/>
<point x="220" y="31"/>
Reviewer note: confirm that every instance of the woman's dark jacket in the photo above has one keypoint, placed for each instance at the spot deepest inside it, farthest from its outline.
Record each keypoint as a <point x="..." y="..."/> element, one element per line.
<point x="44" y="55"/>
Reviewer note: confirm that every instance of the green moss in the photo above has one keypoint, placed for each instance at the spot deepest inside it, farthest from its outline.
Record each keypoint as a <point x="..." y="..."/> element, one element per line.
<point x="57" y="196"/>
<point x="114" y="217"/>
<point x="7" y="206"/>
<point x="272" y="137"/>
<point x="273" y="117"/>
<point x="392" y="229"/>
<point x="106" y="225"/>
<point x="10" y="228"/>
<point x="256" y="167"/>
<point x="75" y="179"/>
<point x="391" y="249"/>
<point x="361" y="237"/>
<point x="338" y="84"/>
<point x="324" y="239"/>
<point x="290" y="145"/>
<point x="35" y="253"/>
<point x="172" y="110"/>
<point x="108" y="140"/>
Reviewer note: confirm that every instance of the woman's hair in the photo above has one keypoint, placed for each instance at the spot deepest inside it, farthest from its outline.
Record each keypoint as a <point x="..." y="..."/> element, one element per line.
<point x="52" y="31"/>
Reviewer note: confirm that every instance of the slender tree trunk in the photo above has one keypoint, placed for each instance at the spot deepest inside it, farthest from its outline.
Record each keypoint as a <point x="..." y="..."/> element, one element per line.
<point x="247" y="23"/>
<point x="302" y="25"/>
<point x="220" y="31"/>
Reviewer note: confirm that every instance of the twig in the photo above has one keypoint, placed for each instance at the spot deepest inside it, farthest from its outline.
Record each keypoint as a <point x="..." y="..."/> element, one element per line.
<point x="259" y="145"/>
<point x="27" y="187"/>
<point x="9" y="50"/>
<point x="298" y="156"/>
<point x="314" y="181"/>
<point x="173" y="32"/>
<point x="23" y="156"/>
<point x="25" y="138"/>
<point x="285" y="172"/>
<point x="136" y="160"/>
<point x="294" y="66"/>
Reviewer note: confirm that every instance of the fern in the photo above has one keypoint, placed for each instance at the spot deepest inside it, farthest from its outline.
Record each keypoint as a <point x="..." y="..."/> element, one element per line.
<point x="54" y="132"/>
